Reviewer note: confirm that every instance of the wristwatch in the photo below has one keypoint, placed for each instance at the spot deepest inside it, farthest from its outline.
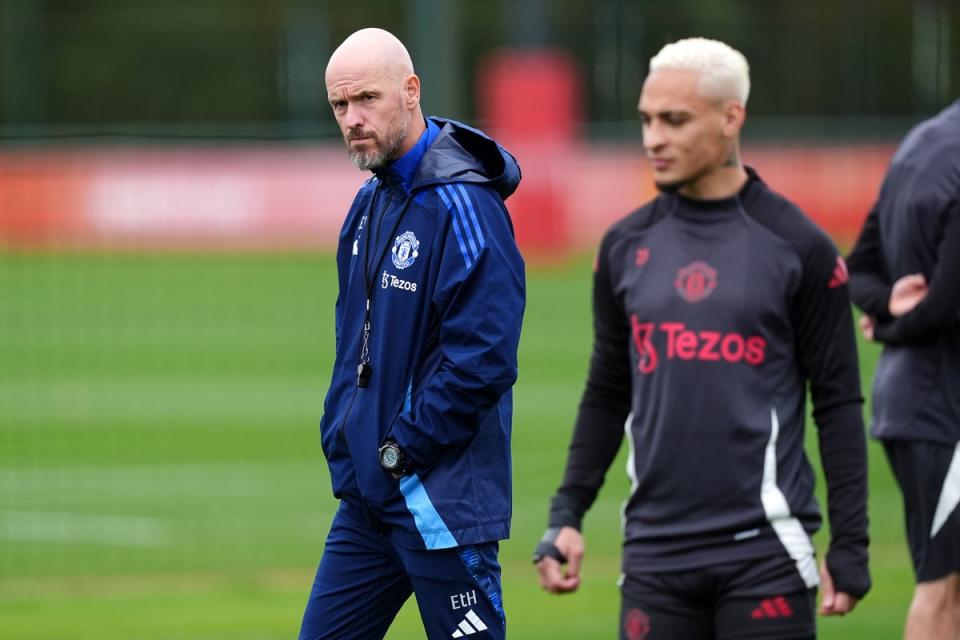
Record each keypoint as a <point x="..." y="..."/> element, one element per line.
<point x="392" y="459"/>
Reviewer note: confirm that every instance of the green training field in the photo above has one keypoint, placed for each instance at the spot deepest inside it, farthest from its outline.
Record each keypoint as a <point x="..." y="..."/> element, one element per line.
<point x="160" y="469"/>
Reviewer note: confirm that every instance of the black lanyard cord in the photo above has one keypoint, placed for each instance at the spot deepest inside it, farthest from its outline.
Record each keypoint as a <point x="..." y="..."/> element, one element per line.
<point x="364" y="368"/>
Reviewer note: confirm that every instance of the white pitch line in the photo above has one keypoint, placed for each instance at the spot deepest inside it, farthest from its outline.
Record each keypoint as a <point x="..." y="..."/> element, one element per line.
<point x="83" y="528"/>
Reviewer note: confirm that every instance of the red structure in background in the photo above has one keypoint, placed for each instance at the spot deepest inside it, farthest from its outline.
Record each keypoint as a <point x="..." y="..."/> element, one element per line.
<point x="529" y="101"/>
<point x="530" y="96"/>
<point x="277" y="197"/>
<point x="174" y="197"/>
<point x="38" y="201"/>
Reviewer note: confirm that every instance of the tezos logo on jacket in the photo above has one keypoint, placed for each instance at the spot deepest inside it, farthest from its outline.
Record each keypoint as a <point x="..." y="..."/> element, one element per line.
<point x="389" y="280"/>
<point x="696" y="281"/>
<point x="405" y="250"/>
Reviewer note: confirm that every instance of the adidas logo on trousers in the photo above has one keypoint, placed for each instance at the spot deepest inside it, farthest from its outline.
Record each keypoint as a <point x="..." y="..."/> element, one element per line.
<point x="470" y="625"/>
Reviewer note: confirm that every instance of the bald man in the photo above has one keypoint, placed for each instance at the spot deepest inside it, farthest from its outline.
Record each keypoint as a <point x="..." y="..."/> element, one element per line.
<point x="417" y="418"/>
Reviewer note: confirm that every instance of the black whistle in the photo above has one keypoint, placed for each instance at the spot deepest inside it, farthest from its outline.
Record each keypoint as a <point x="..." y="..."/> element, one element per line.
<point x="364" y="371"/>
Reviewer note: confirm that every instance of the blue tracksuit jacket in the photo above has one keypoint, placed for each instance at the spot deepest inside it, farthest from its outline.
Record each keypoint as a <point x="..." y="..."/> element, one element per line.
<point x="430" y="244"/>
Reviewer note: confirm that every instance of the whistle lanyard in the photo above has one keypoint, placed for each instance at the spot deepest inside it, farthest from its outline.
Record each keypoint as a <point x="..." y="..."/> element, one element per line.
<point x="364" y="366"/>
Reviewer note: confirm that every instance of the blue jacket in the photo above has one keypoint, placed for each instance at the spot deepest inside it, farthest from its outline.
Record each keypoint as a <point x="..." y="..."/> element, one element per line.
<point x="429" y="242"/>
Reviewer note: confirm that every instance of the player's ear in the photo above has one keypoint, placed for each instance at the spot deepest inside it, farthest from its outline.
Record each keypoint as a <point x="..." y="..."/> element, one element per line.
<point x="733" y="117"/>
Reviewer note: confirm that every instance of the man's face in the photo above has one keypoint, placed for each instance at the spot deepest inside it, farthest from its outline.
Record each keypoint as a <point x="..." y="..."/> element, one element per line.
<point x="685" y="134"/>
<point x="371" y="109"/>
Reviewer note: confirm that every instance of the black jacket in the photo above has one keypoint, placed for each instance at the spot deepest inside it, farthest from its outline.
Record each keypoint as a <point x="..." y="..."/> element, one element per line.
<point x="914" y="227"/>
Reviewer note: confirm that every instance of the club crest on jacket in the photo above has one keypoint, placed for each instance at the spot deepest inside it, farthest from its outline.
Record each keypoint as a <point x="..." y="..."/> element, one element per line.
<point x="405" y="250"/>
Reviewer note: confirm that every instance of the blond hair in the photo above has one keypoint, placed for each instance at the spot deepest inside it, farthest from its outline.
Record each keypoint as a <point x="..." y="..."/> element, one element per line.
<point x="724" y="72"/>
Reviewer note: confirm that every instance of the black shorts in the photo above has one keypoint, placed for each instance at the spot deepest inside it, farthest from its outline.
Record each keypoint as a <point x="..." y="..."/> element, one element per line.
<point x="764" y="598"/>
<point x="929" y="477"/>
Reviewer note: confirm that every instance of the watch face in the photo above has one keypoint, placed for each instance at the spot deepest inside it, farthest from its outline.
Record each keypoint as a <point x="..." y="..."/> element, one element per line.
<point x="390" y="457"/>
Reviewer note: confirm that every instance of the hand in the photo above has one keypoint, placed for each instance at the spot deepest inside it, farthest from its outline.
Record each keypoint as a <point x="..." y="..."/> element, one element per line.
<point x="552" y="577"/>
<point x="833" y="602"/>
<point x="867" y="324"/>
<point x="907" y="292"/>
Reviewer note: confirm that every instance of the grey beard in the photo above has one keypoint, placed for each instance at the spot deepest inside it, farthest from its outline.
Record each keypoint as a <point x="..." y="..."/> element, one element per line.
<point x="368" y="161"/>
<point x="372" y="160"/>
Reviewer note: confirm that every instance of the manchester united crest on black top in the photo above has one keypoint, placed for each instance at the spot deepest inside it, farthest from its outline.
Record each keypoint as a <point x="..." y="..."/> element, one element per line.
<point x="696" y="281"/>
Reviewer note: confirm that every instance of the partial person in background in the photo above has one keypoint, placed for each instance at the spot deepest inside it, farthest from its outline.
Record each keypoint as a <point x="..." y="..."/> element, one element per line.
<point x="715" y="305"/>
<point x="905" y="276"/>
<point x="417" y="418"/>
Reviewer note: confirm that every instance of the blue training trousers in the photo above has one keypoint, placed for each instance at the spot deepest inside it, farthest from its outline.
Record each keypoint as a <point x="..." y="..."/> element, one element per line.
<point x="364" y="578"/>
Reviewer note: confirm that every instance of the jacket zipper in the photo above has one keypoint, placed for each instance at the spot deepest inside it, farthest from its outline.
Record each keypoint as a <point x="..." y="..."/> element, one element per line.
<point x="353" y="396"/>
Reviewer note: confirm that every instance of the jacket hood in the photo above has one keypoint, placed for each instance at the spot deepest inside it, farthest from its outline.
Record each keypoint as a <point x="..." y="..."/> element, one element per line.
<point x="461" y="153"/>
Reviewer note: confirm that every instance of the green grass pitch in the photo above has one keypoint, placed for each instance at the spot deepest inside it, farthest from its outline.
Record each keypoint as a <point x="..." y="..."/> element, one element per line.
<point x="160" y="469"/>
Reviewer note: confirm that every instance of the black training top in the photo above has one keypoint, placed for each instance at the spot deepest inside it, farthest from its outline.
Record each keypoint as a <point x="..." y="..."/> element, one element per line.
<point x="710" y="317"/>
<point x="915" y="228"/>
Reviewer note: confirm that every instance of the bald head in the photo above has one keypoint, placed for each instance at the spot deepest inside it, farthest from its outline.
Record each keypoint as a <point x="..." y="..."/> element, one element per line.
<point x="375" y="97"/>
<point x="373" y="50"/>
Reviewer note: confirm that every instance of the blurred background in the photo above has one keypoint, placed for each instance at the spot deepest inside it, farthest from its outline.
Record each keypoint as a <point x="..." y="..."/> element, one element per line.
<point x="171" y="188"/>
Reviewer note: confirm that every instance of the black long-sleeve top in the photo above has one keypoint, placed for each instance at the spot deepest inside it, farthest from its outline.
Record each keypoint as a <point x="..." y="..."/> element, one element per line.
<point x="710" y="319"/>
